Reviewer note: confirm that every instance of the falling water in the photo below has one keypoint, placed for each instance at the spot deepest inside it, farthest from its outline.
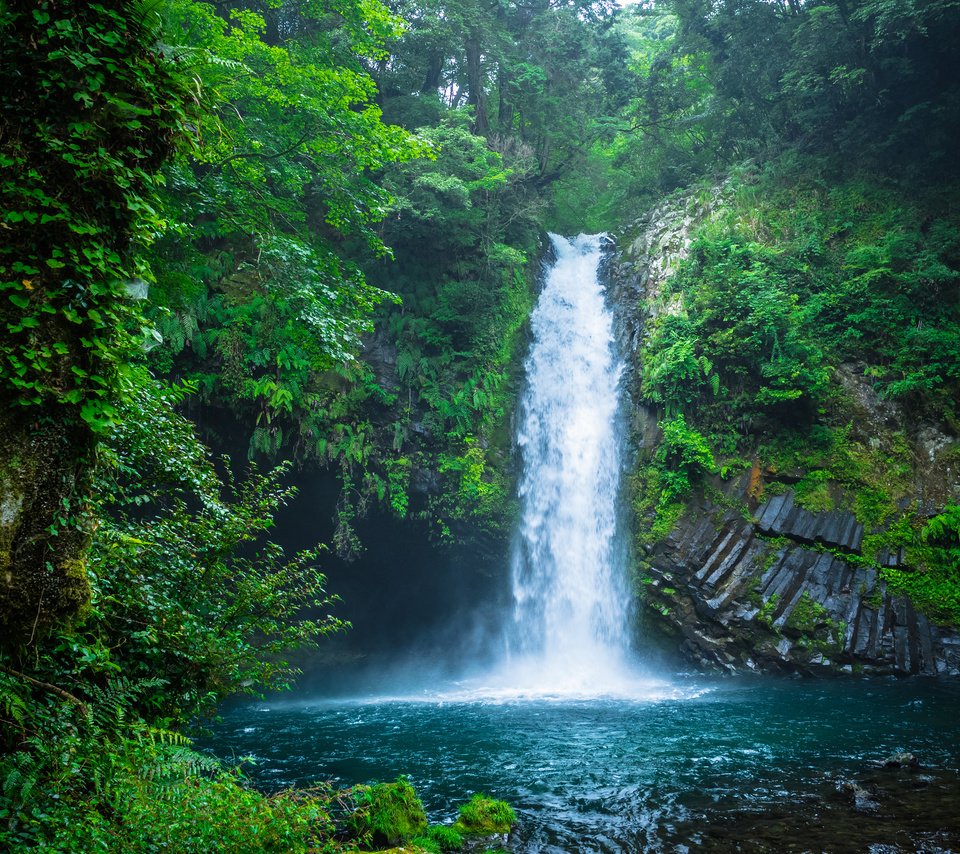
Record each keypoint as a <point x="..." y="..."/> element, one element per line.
<point x="570" y="627"/>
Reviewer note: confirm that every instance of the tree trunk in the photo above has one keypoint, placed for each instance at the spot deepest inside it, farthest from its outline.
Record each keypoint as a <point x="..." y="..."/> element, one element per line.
<point x="504" y="108"/>
<point x="433" y="74"/>
<point x="476" y="97"/>
<point x="45" y="521"/>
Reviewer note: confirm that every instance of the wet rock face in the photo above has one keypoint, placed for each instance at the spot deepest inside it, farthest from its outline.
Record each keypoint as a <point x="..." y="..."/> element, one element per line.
<point x="646" y="253"/>
<point x="773" y="587"/>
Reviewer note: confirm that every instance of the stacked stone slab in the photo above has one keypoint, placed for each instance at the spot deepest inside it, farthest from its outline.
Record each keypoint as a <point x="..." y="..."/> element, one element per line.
<point x="780" y="516"/>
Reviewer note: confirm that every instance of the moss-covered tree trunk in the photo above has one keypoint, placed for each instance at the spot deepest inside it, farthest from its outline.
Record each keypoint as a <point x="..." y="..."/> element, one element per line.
<point x="89" y="111"/>
<point x="44" y="521"/>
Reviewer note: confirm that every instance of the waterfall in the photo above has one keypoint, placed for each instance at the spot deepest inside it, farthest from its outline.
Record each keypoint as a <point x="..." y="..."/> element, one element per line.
<point x="570" y="625"/>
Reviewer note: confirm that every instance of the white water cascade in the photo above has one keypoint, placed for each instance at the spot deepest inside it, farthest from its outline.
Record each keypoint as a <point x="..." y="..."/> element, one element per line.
<point x="570" y="632"/>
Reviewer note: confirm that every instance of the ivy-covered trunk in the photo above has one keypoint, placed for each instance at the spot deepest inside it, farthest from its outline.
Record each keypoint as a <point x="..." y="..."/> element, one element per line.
<point x="91" y="109"/>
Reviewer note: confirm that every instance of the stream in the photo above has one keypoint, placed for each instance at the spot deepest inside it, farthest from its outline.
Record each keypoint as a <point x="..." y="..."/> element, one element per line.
<point x="753" y="764"/>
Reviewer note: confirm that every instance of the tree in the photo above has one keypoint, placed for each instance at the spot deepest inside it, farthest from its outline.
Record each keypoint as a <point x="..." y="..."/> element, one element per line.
<point x="536" y="72"/>
<point x="259" y="288"/>
<point x="91" y="111"/>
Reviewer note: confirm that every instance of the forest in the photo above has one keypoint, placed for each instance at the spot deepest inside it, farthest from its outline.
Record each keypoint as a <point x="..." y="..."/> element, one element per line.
<point x="249" y="243"/>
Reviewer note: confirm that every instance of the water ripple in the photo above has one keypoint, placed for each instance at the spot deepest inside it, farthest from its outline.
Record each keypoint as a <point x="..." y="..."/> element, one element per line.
<point x="608" y="775"/>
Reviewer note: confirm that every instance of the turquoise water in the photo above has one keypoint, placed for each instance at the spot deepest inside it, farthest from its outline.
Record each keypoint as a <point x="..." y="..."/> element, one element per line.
<point x="752" y="764"/>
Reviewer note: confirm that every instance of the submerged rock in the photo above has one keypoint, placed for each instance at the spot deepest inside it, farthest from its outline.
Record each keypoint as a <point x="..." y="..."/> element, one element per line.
<point x="901" y="760"/>
<point x="864" y="799"/>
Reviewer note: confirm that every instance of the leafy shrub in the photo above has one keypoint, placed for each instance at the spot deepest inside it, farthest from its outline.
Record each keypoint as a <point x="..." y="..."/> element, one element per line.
<point x="935" y="585"/>
<point x="684" y="456"/>
<point x="173" y="559"/>
<point x="741" y="346"/>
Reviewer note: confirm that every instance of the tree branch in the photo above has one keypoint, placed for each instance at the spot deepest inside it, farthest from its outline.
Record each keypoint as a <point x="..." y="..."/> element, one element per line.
<point x="53" y="689"/>
<point x="273" y="156"/>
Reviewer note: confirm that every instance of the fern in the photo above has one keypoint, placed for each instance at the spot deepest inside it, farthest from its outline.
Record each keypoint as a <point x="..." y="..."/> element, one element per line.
<point x="22" y="777"/>
<point x="12" y="705"/>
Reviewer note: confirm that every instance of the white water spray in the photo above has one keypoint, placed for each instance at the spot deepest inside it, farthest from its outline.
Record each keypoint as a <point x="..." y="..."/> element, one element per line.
<point x="570" y="630"/>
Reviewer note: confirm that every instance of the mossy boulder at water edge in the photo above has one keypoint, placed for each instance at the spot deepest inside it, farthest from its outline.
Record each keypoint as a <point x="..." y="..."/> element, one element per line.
<point x="440" y="838"/>
<point x="483" y="816"/>
<point x="390" y="816"/>
<point x="387" y="814"/>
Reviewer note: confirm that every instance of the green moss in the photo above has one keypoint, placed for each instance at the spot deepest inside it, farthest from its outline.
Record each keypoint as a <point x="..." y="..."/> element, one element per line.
<point x="813" y="492"/>
<point x="482" y="815"/>
<point x="810" y="623"/>
<point x="440" y="838"/>
<point x="387" y="813"/>
<point x="766" y="612"/>
<point x="807" y="616"/>
<point x="874" y="600"/>
<point x="73" y="595"/>
<point x="873" y="505"/>
<point x="654" y="513"/>
<point x="45" y="524"/>
<point x="732" y="503"/>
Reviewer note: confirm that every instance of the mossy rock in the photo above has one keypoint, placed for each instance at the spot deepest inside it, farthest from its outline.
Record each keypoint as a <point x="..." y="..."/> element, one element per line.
<point x="387" y="814"/>
<point x="411" y="848"/>
<point x="439" y="839"/>
<point x="484" y="816"/>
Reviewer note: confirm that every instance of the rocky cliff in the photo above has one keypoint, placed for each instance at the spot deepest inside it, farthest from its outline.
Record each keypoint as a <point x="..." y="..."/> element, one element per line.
<point x="743" y="585"/>
<point x="747" y="578"/>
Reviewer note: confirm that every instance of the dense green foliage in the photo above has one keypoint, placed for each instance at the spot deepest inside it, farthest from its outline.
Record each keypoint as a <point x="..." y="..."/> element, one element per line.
<point x="205" y="610"/>
<point x="790" y="281"/>
<point x="112" y="784"/>
<point x="93" y="110"/>
<point x="255" y="295"/>
<point x="868" y="84"/>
